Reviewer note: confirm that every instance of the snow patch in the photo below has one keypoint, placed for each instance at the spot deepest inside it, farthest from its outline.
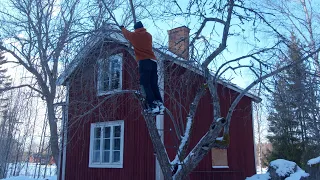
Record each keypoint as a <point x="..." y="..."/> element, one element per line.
<point x="29" y="178"/>
<point x="259" y="177"/>
<point x="283" y="167"/>
<point x="314" y="161"/>
<point x="262" y="170"/>
<point x="219" y="119"/>
<point x="297" y="175"/>
<point x="184" y="139"/>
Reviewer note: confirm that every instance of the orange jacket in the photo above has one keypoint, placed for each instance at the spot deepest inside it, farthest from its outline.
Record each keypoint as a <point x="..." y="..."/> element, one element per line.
<point x="142" y="43"/>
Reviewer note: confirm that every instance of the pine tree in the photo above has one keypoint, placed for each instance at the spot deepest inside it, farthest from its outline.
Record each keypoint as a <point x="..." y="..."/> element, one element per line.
<point x="5" y="123"/>
<point x="290" y="109"/>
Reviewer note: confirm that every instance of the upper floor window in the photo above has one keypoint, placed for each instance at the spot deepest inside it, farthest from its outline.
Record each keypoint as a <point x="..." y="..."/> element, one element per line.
<point x="106" y="144"/>
<point x="109" y="74"/>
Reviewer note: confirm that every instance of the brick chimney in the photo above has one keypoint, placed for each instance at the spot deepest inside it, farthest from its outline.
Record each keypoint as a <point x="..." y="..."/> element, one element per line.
<point x="179" y="41"/>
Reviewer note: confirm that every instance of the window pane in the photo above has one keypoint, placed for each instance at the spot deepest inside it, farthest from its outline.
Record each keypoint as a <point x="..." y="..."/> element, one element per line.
<point x="103" y="75"/>
<point x="97" y="132"/>
<point x="106" y="156"/>
<point x="115" y="80"/>
<point x="116" y="156"/>
<point x="96" y="156"/>
<point x="116" y="144"/>
<point x="117" y="131"/>
<point x="107" y="132"/>
<point x="96" y="145"/>
<point x="106" y="144"/>
<point x="105" y="83"/>
<point x="110" y="72"/>
<point x="115" y="66"/>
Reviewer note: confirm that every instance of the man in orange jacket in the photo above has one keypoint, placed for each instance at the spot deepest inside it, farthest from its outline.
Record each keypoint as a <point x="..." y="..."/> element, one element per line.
<point x="142" y="44"/>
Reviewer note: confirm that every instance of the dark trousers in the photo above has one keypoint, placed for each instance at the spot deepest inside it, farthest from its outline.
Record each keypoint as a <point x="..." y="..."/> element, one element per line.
<point x="149" y="80"/>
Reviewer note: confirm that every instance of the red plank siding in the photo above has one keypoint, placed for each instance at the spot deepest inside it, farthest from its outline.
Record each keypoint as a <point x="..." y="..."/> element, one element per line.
<point x="138" y="157"/>
<point x="139" y="161"/>
<point x="241" y="151"/>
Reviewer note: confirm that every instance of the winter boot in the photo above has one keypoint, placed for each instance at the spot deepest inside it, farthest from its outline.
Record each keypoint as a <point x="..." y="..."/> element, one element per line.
<point x="154" y="109"/>
<point x="160" y="105"/>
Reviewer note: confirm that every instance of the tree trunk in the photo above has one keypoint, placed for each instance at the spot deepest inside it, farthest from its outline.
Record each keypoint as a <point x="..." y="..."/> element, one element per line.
<point x="53" y="131"/>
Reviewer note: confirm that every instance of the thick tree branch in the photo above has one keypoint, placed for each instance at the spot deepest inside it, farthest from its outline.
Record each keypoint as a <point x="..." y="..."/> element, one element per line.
<point x="110" y="13"/>
<point x="29" y="68"/>
<point x="225" y="34"/>
<point x="21" y="86"/>
<point x="207" y="142"/>
<point x="242" y="57"/>
<point x="203" y="25"/>
<point x="189" y="126"/>
<point x="175" y="125"/>
<point x="158" y="145"/>
<point x="133" y="12"/>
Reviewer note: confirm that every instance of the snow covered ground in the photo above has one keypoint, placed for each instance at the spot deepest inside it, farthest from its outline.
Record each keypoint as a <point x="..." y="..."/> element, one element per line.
<point x="259" y="176"/>
<point x="283" y="168"/>
<point x="29" y="178"/>
<point x="261" y="170"/>
<point x="48" y="172"/>
<point x="31" y="171"/>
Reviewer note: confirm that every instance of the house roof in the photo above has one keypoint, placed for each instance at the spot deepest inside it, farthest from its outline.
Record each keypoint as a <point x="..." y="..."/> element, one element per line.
<point x="112" y="33"/>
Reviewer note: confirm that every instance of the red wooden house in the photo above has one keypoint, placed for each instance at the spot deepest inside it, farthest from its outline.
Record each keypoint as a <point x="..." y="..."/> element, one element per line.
<point x="107" y="137"/>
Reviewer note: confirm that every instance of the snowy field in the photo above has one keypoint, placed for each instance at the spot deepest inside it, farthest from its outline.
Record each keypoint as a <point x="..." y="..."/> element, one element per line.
<point x="31" y="171"/>
<point x="30" y="178"/>
<point x="44" y="172"/>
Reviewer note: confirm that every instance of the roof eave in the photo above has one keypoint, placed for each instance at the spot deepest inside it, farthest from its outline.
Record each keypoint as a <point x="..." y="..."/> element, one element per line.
<point x="255" y="98"/>
<point x="64" y="77"/>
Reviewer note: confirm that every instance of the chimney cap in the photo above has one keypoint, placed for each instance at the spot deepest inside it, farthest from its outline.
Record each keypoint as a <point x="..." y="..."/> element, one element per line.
<point x="179" y="28"/>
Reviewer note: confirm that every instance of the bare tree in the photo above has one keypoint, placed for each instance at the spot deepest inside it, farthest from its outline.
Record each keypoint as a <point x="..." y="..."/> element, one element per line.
<point x="43" y="34"/>
<point x="300" y="17"/>
<point x="6" y="122"/>
<point x="225" y="20"/>
<point x="40" y="36"/>
<point x="260" y="127"/>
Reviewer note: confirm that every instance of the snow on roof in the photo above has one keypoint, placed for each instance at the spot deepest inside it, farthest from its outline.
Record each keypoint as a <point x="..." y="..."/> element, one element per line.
<point x="314" y="161"/>
<point x="161" y="50"/>
<point x="108" y="31"/>
<point x="283" y="167"/>
<point x="111" y="32"/>
<point x="197" y="69"/>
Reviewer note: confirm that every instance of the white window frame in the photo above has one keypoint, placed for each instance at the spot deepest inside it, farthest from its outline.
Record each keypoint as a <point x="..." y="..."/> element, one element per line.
<point x="91" y="150"/>
<point x="100" y="89"/>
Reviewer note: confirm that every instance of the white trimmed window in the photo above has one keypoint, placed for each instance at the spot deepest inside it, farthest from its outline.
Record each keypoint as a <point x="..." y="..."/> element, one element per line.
<point x="109" y="74"/>
<point x="106" y="144"/>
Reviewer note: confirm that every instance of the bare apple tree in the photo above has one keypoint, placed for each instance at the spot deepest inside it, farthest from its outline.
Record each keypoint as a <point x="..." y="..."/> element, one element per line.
<point x="217" y="24"/>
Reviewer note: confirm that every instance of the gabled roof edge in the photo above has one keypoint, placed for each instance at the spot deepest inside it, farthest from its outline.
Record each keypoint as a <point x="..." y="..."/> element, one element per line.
<point x="100" y="37"/>
<point x="180" y="62"/>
